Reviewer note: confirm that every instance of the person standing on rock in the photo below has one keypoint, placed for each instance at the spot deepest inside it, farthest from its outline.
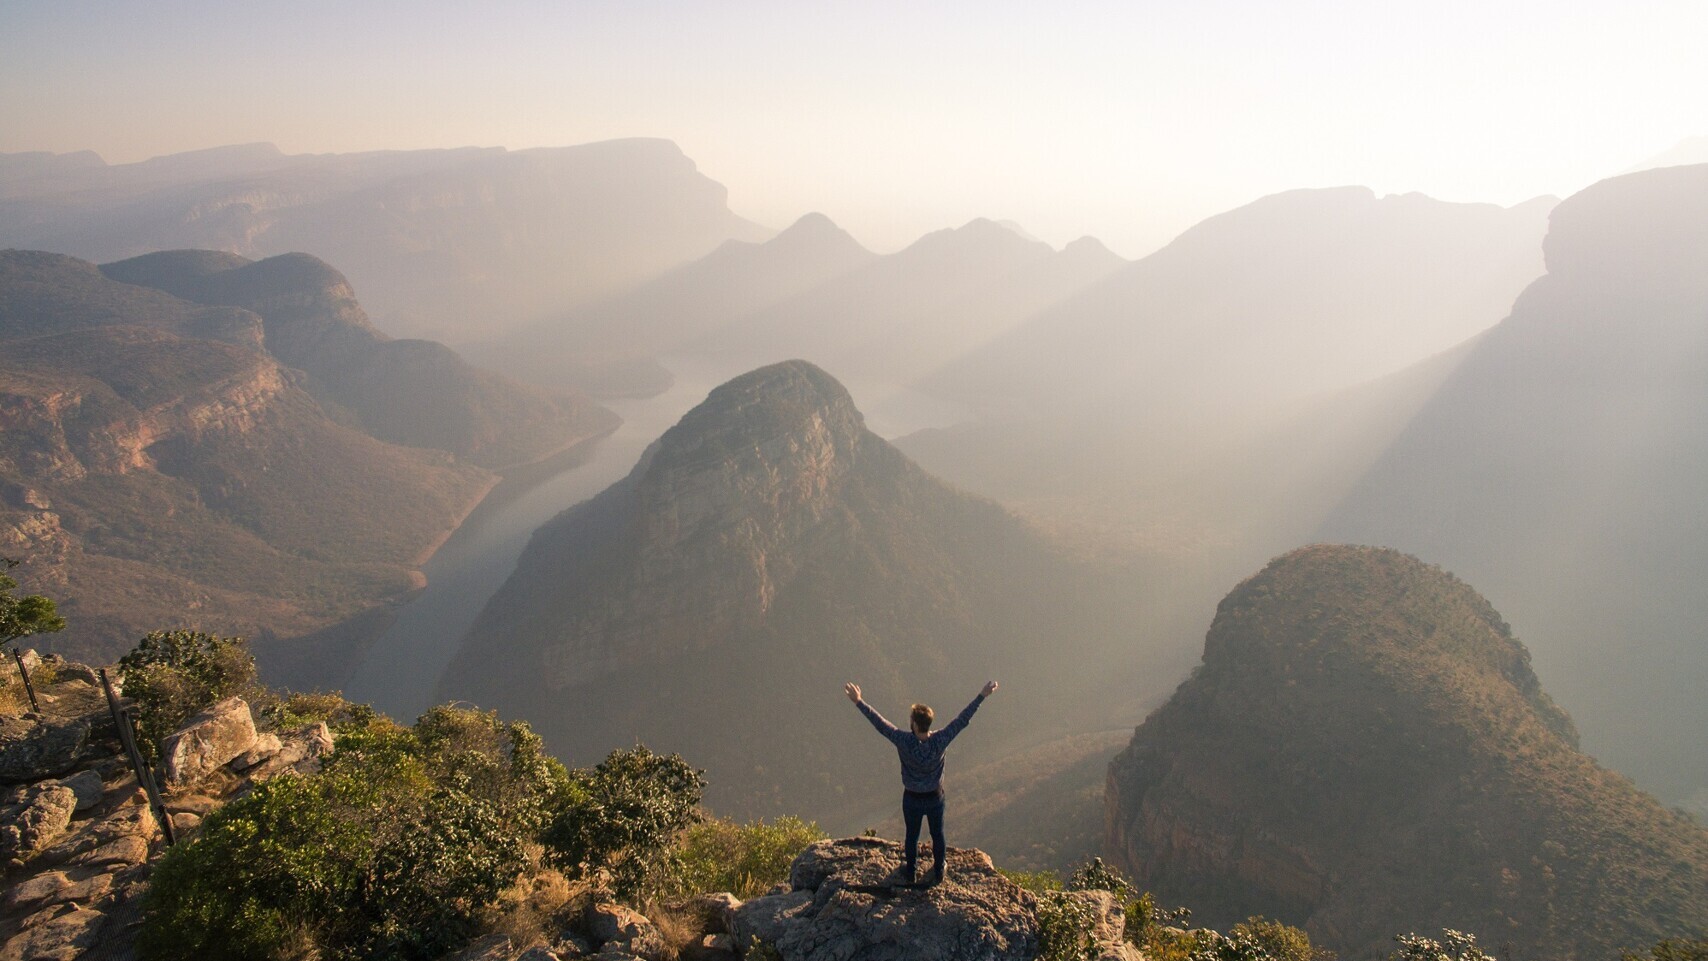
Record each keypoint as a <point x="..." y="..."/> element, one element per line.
<point x="921" y="752"/>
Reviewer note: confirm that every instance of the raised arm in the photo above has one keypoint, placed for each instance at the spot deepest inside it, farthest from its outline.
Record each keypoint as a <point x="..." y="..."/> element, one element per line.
<point x="964" y="718"/>
<point x="888" y="730"/>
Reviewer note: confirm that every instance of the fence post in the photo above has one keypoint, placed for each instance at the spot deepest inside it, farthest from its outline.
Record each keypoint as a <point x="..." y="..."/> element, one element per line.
<point x="123" y="720"/>
<point x="29" y="688"/>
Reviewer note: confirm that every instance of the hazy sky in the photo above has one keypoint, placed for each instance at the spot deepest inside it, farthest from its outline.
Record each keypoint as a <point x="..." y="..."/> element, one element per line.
<point x="1127" y="120"/>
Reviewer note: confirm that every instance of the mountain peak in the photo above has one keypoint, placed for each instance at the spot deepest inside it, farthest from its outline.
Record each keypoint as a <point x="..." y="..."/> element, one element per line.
<point x="782" y="408"/>
<point x="815" y="230"/>
<point x="1364" y="734"/>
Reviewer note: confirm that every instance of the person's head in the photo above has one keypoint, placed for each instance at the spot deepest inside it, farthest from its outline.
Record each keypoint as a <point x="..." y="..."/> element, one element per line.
<point x="922" y="717"/>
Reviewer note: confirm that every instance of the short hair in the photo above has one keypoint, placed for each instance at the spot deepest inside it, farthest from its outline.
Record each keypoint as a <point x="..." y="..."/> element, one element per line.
<point x="922" y="717"/>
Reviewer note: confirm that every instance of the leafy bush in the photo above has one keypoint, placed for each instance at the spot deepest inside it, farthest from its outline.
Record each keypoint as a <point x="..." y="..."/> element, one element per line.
<point x="173" y="674"/>
<point x="1094" y="875"/>
<point x="23" y="616"/>
<point x="1257" y="939"/>
<point x="391" y="851"/>
<point x="1065" y="927"/>
<point x="1453" y="946"/>
<point x="745" y="859"/>
<point x="624" y="817"/>
<point x="289" y="711"/>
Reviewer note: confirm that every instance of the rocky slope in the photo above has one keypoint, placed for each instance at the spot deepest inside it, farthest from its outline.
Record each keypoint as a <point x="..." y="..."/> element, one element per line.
<point x="77" y="834"/>
<point x="765" y="550"/>
<point x="149" y="475"/>
<point x="1364" y="751"/>
<point x="413" y="392"/>
<point x="449" y="244"/>
<point x="1560" y="469"/>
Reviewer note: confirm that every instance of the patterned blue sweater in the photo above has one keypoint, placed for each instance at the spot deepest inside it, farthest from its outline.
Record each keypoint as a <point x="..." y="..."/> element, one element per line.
<point x="921" y="757"/>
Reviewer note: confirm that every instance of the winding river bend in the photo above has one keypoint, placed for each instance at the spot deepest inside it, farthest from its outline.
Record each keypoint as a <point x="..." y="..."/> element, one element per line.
<point x="399" y="670"/>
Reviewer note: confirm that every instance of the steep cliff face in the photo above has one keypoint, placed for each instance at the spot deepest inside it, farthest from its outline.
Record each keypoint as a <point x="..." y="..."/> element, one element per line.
<point x="413" y="392"/>
<point x="764" y="551"/>
<point x="152" y="478"/>
<point x="1365" y="751"/>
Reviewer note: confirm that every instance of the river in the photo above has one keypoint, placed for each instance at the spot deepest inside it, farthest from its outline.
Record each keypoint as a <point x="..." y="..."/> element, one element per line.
<point x="400" y="669"/>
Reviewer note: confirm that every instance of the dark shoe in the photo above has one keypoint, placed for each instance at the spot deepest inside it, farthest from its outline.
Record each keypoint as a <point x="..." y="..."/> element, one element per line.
<point x="937" y="875"/>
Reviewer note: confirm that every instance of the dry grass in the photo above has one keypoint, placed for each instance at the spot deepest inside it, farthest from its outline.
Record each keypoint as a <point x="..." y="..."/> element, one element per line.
<point x="538" y="907"/>
<point x="681" y="929"/>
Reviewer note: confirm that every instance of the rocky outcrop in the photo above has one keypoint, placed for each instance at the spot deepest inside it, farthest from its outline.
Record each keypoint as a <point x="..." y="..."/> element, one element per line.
<point x="207" y="742"/>
<point x="34" y="746"/>
<point x="1365" y="751"/>
<point x="77" y="850"/>
<point x="840" y="907"/>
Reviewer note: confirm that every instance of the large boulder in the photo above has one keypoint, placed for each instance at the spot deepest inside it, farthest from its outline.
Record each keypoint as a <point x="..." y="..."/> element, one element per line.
<point x="843" y="906"/>
<point x="207" y="742"/>
<point x="33" y="747"/>
<point x="615" y="926"/>
<point x="63" y="937"/>
<point x="33" y="819"/>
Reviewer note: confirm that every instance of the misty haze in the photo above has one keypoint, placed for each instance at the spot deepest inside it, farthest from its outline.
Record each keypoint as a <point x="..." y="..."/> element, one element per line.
<point x="415" y="550"/>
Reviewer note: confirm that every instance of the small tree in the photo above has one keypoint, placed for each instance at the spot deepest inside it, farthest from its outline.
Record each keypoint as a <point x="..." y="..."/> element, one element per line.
<point x="624" y="816"/>
<point x="1453" y="946"/>
<point x="173" y="674"/>
<point x="21" y="617"/>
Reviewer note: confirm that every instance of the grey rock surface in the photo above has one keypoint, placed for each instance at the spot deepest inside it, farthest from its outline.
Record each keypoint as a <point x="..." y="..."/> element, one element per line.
<point x="28" y="827"/>
<point x="207" y="742"/>
<point x="843" y="907"/>
<point x="33" y="747"/>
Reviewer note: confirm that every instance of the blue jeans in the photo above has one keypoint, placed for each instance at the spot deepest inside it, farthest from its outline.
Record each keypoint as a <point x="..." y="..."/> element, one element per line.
<point x="912" y="810"/>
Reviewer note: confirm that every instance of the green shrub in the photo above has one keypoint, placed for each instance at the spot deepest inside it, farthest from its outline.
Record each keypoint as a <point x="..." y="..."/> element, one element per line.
<point x="1065" y="927"/>
<point x="624" y="817"/>
<point x="173" y="674"/>
<point x="1257" y="939"/>
<point x="23" y="616"/>
<point x="745" y="859"/>
<point x="1453" y="946"/>
<point x="391" y="851"/>
<point x="290" y="710"/>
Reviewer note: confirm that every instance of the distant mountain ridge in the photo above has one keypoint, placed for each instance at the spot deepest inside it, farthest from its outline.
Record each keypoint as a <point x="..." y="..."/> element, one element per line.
<point x="812" y="291"/>
<point x="452" y="244"/>
<point x="764" y="551"/>
<point x="1292" y="294"/>
<point x="1365" y="751"/>
<point x="1561" y="467"/>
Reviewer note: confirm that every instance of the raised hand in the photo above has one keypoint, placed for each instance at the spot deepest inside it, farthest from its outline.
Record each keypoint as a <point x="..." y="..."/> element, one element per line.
<point x="989" y="689"/>
<point x="853" y="691"/>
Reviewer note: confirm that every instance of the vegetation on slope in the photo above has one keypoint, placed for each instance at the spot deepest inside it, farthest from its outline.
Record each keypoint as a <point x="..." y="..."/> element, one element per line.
<point x="1366" y="749"/>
